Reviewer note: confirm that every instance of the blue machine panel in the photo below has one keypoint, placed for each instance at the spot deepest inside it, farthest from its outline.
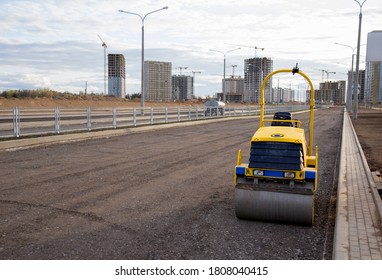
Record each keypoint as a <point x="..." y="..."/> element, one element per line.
<point x="240" y="170"/>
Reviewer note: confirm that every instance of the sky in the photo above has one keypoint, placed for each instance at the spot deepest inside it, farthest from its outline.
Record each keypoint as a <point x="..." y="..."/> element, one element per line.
<point x="55" y="44"/>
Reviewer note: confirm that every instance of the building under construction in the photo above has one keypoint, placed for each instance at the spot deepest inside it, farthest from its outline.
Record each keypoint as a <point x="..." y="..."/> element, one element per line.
<point x="255" y="70"/>
<point x="234" y="89"/>
<point x="117" y="81"/>
<point x="182" y="87"/>
<point x="331" y="93"/>
<point x="158" y="81"/>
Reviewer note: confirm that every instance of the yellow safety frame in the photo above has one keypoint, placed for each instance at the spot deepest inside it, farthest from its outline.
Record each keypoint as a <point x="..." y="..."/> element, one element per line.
<point x="294" y="71"/>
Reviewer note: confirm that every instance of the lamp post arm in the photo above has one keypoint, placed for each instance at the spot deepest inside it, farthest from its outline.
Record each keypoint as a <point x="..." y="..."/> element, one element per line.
<point x="232" y="50"/>
<point x="164" y="8"/>
<point x="122" y="11"/>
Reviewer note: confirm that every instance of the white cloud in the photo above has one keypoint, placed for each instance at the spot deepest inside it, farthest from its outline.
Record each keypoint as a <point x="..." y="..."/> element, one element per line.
<point x="55" y="43"/>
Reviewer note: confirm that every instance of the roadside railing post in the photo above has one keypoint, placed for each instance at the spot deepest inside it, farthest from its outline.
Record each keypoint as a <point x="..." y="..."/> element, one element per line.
<point x="89" y="116"/>
<point x="114" y="118"/>
<point x="16" y="122"/>
<point x="162" y="115"/>
<point x="135" y="117"/>
<point x="57" y="120"/>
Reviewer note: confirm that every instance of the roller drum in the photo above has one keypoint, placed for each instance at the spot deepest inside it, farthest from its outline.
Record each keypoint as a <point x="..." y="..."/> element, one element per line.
<point x="274" y="206"/>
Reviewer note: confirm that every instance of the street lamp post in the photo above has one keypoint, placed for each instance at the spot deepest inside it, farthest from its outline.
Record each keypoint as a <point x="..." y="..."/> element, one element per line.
<point x="355" y="111"/>
<point x="143" y="49"/>
<point x="193" y="81"/>
<point x="258" y="83"/>
<point x="351" y="86"/>
<point x="224" y="54"/>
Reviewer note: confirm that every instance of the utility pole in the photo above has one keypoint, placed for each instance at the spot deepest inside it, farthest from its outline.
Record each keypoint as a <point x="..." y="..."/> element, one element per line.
<point x="224" y="61"/>
<point x="143" y="17"/>
<point x="355" y="111"/>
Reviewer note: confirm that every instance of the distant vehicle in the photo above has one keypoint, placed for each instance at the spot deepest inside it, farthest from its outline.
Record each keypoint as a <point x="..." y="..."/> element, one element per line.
<point x="213" y="107"/>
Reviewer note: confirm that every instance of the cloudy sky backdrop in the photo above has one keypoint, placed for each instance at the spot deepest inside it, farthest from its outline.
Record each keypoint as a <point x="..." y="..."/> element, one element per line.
<point x="54" y="44"/>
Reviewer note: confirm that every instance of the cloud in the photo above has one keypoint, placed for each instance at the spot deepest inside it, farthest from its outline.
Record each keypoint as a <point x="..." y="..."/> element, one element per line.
<point x="55" y="43"/>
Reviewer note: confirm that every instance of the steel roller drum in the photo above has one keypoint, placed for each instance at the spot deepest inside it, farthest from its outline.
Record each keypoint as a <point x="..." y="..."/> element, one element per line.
<point x="274" y="206"/>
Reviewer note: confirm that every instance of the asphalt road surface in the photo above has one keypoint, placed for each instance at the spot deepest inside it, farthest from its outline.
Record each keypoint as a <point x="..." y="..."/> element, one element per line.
<point x="163" y="194"/>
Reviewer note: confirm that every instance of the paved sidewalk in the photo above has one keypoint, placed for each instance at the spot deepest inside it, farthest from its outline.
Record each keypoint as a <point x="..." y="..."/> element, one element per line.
<point x="358" y="234"/>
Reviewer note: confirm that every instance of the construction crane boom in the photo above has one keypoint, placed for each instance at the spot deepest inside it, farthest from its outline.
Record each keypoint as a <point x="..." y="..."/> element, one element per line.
<point x="180" y="69"/>
<point x="196" y="72"/>
<point x="104" y="64"/>
<point x="327" y="73"/>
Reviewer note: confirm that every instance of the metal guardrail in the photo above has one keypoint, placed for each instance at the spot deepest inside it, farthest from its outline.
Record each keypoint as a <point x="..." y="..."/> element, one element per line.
<point x="17" y="122"/>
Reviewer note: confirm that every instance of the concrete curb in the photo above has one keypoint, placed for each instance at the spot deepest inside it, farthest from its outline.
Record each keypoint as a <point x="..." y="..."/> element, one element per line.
<point x="341" y="236"/>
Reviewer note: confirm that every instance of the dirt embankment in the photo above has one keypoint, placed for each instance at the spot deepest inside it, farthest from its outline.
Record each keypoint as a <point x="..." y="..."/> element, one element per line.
<point x="88" y="101"/>
<point x="368" y="127"/>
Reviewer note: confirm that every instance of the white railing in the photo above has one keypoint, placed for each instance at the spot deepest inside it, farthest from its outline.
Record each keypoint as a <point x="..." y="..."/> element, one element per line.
<point x="17" y="122"/>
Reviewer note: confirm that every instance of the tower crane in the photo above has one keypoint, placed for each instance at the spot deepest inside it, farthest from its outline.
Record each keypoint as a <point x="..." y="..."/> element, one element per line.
<point x="257" y="48"/>
<point x="195" y="72"/>
<point x="104" y="64"/>
<point x="327" y="74"/>
<point x="180" y="69"/>
<point x="233" y="70"/>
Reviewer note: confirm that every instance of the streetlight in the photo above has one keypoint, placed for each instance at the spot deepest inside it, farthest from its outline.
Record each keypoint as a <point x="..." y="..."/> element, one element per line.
<point x="350" y="87"/>
<point x="143" y="49"/>
<point x="258" y="83"/>
<point x="355" y="112"/>
<point x="224" y="54"/>
<point x="193" y="81"/>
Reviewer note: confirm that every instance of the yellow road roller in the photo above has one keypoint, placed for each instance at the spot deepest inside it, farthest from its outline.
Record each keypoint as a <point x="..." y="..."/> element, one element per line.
<point x="279" y="182"/>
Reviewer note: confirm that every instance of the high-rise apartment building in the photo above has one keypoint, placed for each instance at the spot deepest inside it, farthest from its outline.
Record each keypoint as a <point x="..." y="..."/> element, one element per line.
<point x="158" y="82"/>
<point x="182" y="87"/>
<point x="255" y="70"/>
<point x="281" y="95"/>
<point x="373" y="72"/>
<point x="117" y="77"/>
